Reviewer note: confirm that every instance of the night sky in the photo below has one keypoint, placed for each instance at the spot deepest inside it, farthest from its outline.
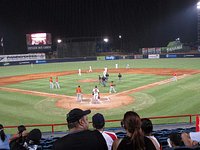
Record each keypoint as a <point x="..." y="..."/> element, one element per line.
<point x="142" y="23"/>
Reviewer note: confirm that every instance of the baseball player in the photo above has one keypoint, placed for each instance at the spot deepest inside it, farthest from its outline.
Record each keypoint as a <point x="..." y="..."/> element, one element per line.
<point x="119" y="76"/>
<point x="105" y="69"/>
<point x="99" y="79"/>
<point x="104" y="73"/>
<point x="174" y="78"/>
<point x="95" y="93"/>
<point x="57" y="84"/>
<point x="116" y="66"/>
<point x="90" y="69"/>
<point x="79" y="94"/>
<point x="79" y="72"/>
<point x="127" y="66"/>
<point x="112" y="89"/>
<point x="51" y="83"/>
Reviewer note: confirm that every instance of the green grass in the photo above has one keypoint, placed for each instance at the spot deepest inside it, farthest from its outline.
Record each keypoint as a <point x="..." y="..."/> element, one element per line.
<point x="181" y="63"/>
<point x="174" y="98"/>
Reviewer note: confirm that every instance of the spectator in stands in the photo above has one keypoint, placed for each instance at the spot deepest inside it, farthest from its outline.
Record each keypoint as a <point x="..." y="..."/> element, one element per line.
<point x="33" y="140"/>
<point x="98" y="123"/>
<point x="79" y="137"/>
<point x="4" y="139"/>
<point x="17" y="140"/>
<point x="175" y="140"/>
<point x="135" y="139"/>
<point x="147" y="128"/>
<point x="191" y="139"/>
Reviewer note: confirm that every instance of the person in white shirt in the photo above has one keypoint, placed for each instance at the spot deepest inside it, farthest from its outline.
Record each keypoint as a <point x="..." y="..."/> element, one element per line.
<point x="90" y="69"/>
<point x="79" y="72"/>
<point x="98" y="123"/>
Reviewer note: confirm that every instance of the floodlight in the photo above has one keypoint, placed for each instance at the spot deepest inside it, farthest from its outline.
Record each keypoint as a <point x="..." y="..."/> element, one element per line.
<point x="59" y="41"/>
<point x="105" y="40"/>
<point x="198" y="5"/>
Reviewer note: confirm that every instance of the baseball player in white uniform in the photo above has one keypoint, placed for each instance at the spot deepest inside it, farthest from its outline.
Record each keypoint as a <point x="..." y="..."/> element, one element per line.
<point x="95" y="93"/>
<point x="79" y="72"/>
<point x="90" y="69"/>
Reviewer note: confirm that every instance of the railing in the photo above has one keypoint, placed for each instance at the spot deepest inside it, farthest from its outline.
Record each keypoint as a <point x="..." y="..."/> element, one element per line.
<point x="62" y="124"/>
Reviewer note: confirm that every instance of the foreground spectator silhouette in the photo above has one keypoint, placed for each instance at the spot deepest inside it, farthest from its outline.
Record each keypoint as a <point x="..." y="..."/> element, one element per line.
<point x="147" y="128"/>
<point x="98" y="123"/>
<point x="17" y="140"/>
<point x="32" y="140"/>
<point x="175" y="140"/>
<point x="79" y="137"/>
<point x="4" y="139"/>
<point x="135" y="139"/>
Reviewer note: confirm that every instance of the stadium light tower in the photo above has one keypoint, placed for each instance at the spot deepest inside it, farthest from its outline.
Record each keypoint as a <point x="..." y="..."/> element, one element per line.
<point x="198" y="25"/>
<point x="120" y="37"/>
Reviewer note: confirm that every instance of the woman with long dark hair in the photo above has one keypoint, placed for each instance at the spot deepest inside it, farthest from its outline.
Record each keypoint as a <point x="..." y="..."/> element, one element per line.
<point x="4" y="139"/>
<point x="135" y="139"/>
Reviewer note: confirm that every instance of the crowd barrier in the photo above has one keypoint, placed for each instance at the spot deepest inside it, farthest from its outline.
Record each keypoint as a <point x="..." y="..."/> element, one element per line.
<point x="52" y="126"/>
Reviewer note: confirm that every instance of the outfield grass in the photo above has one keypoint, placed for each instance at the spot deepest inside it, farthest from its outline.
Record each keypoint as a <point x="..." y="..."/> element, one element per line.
<point x="174" y="98"/>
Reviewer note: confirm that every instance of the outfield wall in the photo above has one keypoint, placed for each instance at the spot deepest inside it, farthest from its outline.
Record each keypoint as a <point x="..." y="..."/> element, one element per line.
<point x="23" y="60"/>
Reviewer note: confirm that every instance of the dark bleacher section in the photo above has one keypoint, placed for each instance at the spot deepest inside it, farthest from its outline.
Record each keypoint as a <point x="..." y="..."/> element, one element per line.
<point x="161" y="135"/>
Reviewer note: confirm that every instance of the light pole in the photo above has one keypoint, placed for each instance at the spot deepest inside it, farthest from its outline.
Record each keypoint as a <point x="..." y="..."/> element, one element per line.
<point x="120" y="37"/>
<point x="198" y="25"/>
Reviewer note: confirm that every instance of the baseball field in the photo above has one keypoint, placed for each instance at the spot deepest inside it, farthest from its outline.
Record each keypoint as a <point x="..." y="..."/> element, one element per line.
<point x="146" y="87"/>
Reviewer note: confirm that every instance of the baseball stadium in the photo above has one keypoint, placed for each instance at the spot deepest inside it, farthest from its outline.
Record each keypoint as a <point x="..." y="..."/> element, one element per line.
<point x="55" y="76"/>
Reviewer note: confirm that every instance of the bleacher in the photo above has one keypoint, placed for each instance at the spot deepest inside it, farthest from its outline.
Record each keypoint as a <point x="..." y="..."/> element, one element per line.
<point x="162" y="136"/>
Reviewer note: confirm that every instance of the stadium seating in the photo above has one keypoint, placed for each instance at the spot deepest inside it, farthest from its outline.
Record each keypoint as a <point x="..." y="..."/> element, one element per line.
<point x="161" y="135"/>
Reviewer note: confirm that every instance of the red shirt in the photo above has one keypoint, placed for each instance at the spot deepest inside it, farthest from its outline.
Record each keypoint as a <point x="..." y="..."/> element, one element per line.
<point x="50" y="80"/>
<point x="174" y="74"/>
<point x="78" y="90"/>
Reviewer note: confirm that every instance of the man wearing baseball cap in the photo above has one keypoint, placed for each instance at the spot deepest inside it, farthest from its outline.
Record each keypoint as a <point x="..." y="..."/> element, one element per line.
<point x="79" y="137"/>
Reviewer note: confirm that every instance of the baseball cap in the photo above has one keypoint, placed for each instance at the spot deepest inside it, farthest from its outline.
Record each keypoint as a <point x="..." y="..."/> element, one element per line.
<point x="98" y="121"/>
<point x="76" y="114"/>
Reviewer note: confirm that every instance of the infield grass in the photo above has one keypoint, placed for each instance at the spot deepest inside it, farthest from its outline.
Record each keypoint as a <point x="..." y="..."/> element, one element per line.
<point x="174" y="98"/>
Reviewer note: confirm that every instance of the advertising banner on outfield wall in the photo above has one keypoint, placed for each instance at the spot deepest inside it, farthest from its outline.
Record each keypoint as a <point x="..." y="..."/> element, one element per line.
<point x="109" y="57"/>
<point x="154" y="56"/>
<point x="22" y="57"/>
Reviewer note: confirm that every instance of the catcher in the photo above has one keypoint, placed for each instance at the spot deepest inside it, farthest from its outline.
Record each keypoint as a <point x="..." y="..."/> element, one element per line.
<point x="112" y="89"/>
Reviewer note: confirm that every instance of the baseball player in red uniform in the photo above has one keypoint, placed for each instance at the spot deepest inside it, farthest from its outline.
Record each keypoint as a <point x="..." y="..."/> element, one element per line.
<point x="57" y="83"/>
<point x="112" y="89"/>
<point x="79" y="94"/>
<point x="51" y="83"/>
<point x="174" y="78"/>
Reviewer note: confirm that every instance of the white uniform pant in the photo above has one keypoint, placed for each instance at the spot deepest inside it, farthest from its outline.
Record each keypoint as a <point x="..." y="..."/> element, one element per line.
<point x="57" y="85"/>
<point x="112" y="89"/>
<point x="51" y="85"/>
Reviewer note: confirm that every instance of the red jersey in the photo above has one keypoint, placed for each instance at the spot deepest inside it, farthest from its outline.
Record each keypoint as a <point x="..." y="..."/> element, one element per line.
<point x="78" y="90"/>
<point x="174" y="74"/>
<point x="51" y="80"/>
